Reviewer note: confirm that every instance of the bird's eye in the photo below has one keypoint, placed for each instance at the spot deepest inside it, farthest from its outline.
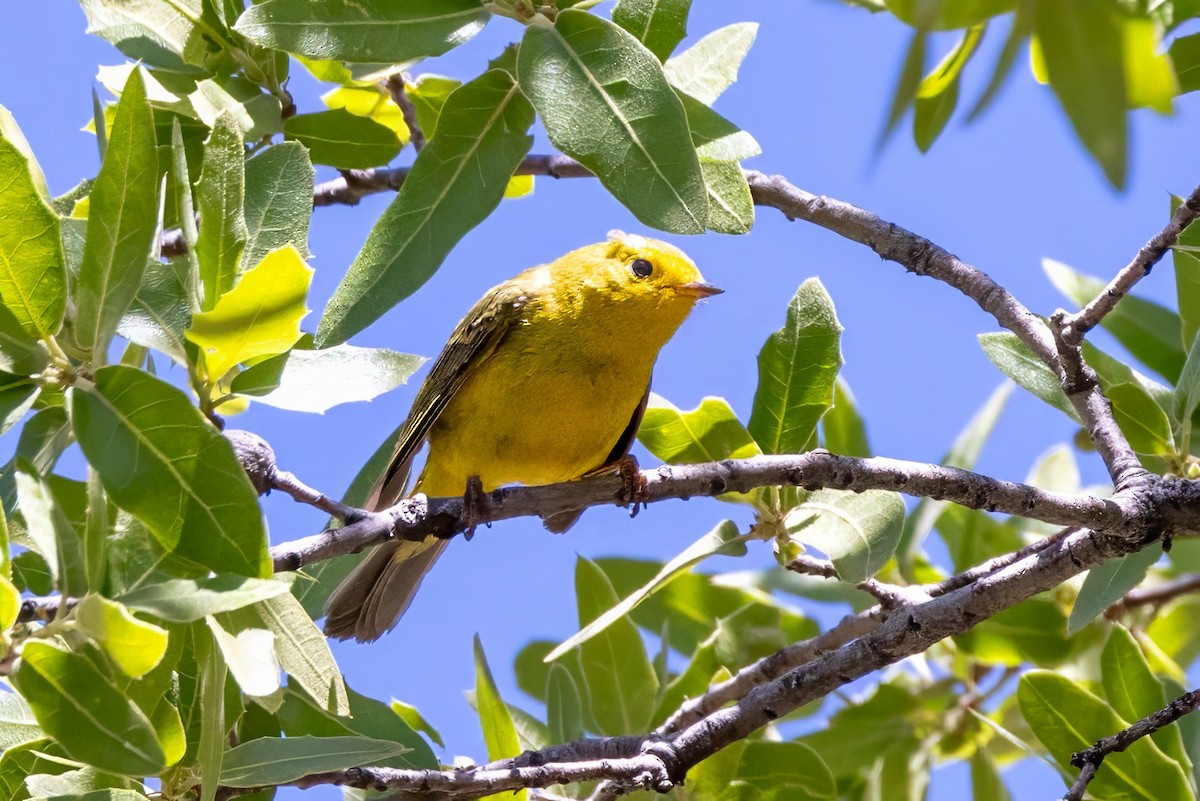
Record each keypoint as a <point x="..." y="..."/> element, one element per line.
<point x="641" y="268"/>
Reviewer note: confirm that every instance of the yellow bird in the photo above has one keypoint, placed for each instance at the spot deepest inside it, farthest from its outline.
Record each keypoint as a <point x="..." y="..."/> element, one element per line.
<point x="545" y="380"/>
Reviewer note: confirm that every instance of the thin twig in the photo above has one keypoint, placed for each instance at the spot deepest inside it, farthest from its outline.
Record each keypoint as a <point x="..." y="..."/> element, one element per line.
<point x="1076" y="325"/>
<point x="419" y="517"/>
<point x="1090" y="759"/>
<point x="395" y="87"/>
<point x="1155" y="595"/>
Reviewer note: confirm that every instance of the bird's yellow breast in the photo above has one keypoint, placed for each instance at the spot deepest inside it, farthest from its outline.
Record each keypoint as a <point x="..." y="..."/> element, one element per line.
<point x="553" y="400"/>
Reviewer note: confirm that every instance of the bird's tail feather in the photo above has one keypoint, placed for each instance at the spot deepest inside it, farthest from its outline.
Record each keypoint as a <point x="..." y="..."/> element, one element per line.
<point x="369" y="602"/>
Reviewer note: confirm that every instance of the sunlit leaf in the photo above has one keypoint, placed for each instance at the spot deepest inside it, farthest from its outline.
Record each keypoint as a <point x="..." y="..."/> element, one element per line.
<point x="859" y="532"/>
<point x="658" y="24"/>
<point x="710" y="66"/>
<point x="133" y="645"/>
<point x="220" y="196"/>
<point x="344" y="140"/>
<point x="587" y="75"/>
<point x="499" y="734"/>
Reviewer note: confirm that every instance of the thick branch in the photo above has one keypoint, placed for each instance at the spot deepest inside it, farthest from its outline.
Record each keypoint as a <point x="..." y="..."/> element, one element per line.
<point x="1076" y="325"/>
<point x="419" y="517"/>
<point x="1089" y="760"/>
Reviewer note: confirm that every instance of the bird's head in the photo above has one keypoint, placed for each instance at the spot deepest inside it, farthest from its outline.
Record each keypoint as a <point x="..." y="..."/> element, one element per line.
<point x="633" y="267"/>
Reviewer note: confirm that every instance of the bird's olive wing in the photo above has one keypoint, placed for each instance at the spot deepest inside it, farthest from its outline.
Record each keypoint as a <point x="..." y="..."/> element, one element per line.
<point x="477" y="336"/>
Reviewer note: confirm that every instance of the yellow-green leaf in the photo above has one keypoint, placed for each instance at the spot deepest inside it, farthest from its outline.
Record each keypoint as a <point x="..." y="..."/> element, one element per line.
<point x="258" y="317"/>
<point x="134" y="646"/>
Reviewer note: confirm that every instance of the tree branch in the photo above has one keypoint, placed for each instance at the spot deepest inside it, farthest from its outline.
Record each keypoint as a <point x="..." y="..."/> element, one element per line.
<point x="1089" y="760"/>
<point x="395" y="86"/>
<point x="1075" y="326"/>
<point x="419" y="517"/>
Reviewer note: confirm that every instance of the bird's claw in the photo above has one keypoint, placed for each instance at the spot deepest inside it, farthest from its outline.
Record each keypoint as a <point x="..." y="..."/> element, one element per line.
<point x="634" y="488"/>
<point x="475" y="506"/>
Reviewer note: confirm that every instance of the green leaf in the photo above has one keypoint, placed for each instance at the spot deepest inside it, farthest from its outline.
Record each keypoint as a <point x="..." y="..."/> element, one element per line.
<point x="730" y="205"/>
<point x="909" y="79"/>
<point x="270" y="761"/>
<point x="1187" y="391"/>
<point x="19" y="352"/>
<point x="250" y="657"/>
<point x="1014" y="43"/>
<point x="1149" y="74"/>
<point x="796" y="370"/>
<point x="1141" y="419"/>
<point x="986" y="783"/>
<point x="428" y="94"/>
<point x="106" y="794"/>
<point x="344" y="140"/>
<point x="941" y="15"/>
<point x="1080" y="43"/>
<point x="1067" y="718"/>
<point x="709" y="433"/>
<point x="253" y="113"/>
<point x="859" y="532"/>
<point x="1014" y="358"/>
<point x="161" y="311"/>
<point x="162" y="461"/>
<point x="455" y="183"/>
<point x="161" y="34"/>
<point x="864" y="729"/>
<point x="133" y="645"/>
<point x="11" y="132"/>
<point x="564" y="706"/>
<point x="32" y="267"/>
<point x="279" y="187"/>
<point x="845" y="431"/>
<point x="973" y="536"/>
<point x="658" y="24"/>
<point x="1107" y="583"/>
<point x="620" y="678"/>
<point x="300" y="647"/>
<point x="258" y="317"/>
<point x="220" y="195"/>
<point x="1134" y="691"/>
<point x="710" y="66"/>
<point x="716" y="138"/>
<point x="300" y="715"/>
<point x="586" y="75"/>
<point x="1032" y="631"/>
<point x="416" y="721"/>
<point x="1147" y="330"/>
<point x="50" y="531"/>
<point x="122" y="220"/>
<point x="1186" y="257"/>
<point x="1185" y="56"/>
<point x="17" y="394"/>
<point x="189" y="600"/>
<point x="499" y="733"/>
<point x="723" y="539"/>
<point x="17" y="723"/>
<point x="317" y="380"/>
<point x="85" y="710"/>
<point x="211" y="677"/>
<point x="374" y="32"/>
<point x="937" y="94"/>
<point x="793" y="768"/>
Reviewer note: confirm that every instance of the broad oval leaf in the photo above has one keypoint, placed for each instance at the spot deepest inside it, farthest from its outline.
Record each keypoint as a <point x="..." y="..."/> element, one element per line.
<point x="161" y="312"/>
<point x="1107" y="583"/>
<point x="708" y="433"/>
<point x="279" y="187"/>
<point x="122" y="220"/>
<point x="658" y="24"/>
<point x="1067" y="718"/>
<point x="605" y="101"/>
<point x="1015" y="360"/>
<point x="250" y="657"/>
<point x="189" y="600"/>
<point x="344" y="140"/>
<point x="86" y="711"/>
<point x="710" y="66"/>
<point x="220" y="196"/>
<point x="499" y="732"/>
<point x="159" y="459"/>
<point x="32" y="266"/>
<point x="723" y="539"/>
<point x="859" y="532"/>
<point x="797" y="368"/>
<point x="1141" y="419"/>
<point x="258" y="317"/>
<point x="317" y="380"/>
<point x="771" y="765"/>
<point x="455" y="183"/>
<point x="133" y="645"/>
<point x="1081" y="45"/>
<point x="1134" y="691"/>
<point x="370" y="31"/>
<point x="620" y="679"/>
<point x="269" y="761"/>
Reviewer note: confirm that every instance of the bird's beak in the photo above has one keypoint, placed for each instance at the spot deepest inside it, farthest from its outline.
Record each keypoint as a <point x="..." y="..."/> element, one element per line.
<point x="697" y="289"/>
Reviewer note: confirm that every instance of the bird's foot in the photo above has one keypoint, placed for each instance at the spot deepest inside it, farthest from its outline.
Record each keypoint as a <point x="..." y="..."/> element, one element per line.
<point x="633" y="494"/>
<point x="476" y="506"/>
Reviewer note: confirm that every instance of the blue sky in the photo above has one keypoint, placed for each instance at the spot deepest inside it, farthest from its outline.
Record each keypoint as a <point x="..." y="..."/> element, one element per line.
<point x="1002" y="194"/>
